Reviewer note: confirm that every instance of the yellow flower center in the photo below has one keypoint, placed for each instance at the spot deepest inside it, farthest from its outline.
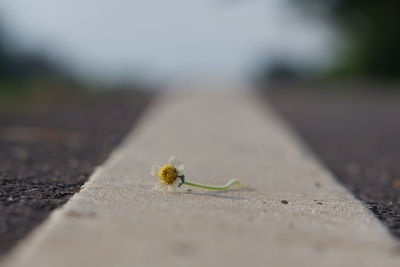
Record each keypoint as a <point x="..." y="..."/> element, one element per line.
<point x="168" y="174"/>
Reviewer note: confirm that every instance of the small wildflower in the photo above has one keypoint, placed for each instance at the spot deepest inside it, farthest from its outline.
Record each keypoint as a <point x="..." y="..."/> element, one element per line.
<point x="171" y="177"/>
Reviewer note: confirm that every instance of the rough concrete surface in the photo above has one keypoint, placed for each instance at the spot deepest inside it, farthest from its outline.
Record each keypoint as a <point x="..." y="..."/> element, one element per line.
<point x="292" y="213"/>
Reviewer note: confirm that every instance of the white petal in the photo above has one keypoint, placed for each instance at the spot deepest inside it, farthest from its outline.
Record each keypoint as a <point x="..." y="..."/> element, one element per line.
<point x="154" y="170"/>
<point x="176" y="163"/>
<point x="172" y="188"/>
<point x="179" y="163"/>
<point x="157" y="186"/>
<point x="180" y="167"/>
<point x="160" y="187"/>
<point x="172" y="160"/>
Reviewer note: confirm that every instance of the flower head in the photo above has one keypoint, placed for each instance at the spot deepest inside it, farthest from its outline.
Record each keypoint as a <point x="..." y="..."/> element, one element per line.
<point x="170" y="175"/>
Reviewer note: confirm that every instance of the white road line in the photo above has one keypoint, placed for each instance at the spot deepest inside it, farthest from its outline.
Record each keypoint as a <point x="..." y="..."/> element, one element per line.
<point x="117" y="220"/>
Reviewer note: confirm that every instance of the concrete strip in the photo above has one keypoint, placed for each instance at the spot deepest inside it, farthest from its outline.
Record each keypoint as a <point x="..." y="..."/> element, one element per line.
<point x="117" y="220"/>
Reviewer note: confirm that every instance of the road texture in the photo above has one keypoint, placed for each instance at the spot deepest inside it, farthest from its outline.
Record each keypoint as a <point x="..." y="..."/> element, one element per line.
<point x="292" y="211"/>
<point x="356" y="135"/>
<point x="49" y="148"/>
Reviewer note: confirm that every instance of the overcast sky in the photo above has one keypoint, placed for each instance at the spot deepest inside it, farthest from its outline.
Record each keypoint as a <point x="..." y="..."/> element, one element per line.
<point x="157" y="39"/>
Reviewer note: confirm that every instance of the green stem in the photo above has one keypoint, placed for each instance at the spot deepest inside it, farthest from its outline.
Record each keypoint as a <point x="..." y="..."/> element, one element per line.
<point x="210" y="187"/>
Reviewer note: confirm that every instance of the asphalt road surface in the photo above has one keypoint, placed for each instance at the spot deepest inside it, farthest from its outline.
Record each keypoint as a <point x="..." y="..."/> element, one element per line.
<point x="48" y="149"/>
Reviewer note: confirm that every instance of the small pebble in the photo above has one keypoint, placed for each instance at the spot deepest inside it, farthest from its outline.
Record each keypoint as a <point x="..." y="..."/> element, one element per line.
<point x="284" y="201"/>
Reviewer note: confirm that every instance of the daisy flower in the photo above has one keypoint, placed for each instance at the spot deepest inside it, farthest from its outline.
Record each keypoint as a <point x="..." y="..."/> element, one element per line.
<point x="171" y="177"/>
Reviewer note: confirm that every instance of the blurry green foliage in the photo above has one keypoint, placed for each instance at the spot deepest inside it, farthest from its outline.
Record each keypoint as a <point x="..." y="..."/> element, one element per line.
<point x="371" y="29"/>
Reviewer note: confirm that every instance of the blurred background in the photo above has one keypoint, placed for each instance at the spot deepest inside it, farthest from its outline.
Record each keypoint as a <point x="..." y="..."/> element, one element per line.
<point x="76" y="74"/>
<point x="157" y="43"/>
